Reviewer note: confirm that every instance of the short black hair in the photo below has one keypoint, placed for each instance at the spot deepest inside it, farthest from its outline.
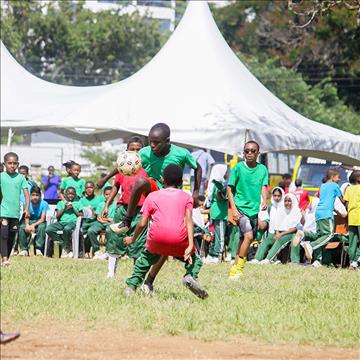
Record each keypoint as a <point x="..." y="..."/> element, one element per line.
<point x="24" y="167"/>
<point x="286" y="176"/>
<point x="173" y="175"/>
<point x="107" y="188"/>
<point x="252" y="142"/>
<point x="353" y="177"/>
<point x="90" y="182"/>
<point x="11" y="154"/>
<point x="135" y="139"/>
<point x="70" y="187"/>
<point x="163" y="128"/>
<point x="298" y="182"/>
<point x="35" y="189"/>
<point x="69" y="163"/>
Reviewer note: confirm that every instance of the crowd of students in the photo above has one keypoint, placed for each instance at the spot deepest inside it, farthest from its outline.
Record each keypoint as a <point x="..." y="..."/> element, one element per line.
<point x="148" y="225"/>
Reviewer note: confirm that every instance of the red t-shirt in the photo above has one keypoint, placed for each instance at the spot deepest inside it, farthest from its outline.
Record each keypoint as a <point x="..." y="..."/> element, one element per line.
<point x="303" y="198"/>
<point x="127" y="183"/>
<point x="167" y="234"/>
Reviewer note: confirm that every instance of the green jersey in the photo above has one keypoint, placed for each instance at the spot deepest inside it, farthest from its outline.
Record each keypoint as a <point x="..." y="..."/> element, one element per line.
<point x="69" y="215"/>
<point x="155" y="165"/>
<point x="111" y="209"/>
<point x="219" y="207"/>
<point x="93" y="203"/>
<point x="78" y="184"/>
<point x="11" y="186"/>
<point x="247" y="184"/>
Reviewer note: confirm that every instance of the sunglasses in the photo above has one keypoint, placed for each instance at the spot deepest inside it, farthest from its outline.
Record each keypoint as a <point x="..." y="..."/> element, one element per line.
<point x="248" y="151"/>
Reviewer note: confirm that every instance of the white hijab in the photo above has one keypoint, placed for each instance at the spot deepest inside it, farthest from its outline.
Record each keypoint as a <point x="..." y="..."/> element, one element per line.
<point x="275" y="208"/>
<point x="288" y="218"/>
<point x="217" y="173"/>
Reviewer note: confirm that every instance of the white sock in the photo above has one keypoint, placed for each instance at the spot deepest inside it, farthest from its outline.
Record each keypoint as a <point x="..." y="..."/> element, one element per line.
<point x="112" y="263"/>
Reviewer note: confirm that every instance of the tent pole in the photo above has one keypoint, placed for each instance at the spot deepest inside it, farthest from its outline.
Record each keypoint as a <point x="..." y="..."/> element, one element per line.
<point x="10" y="136"/>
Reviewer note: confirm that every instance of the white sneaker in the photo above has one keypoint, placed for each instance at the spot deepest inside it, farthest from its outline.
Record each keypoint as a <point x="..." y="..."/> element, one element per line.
<point x="354" y="265"/>
<point x="298" y="237"/>
<point x="211" y="260"/>
<point x="228" y="258"/>
<point x="316" y="264"/>
<point x="110" y="276"/>
<point x="64" y="254"/>
<point x="254" y="261"/>
<point x="23" y="253"/>
<point x="70" y="254"/>
<point x="265" y="262"/>
<point x="100" y="256"/>
<point x="277" y="262"/>
<point x="308" y="249"/>
<point x="38" y="252"/>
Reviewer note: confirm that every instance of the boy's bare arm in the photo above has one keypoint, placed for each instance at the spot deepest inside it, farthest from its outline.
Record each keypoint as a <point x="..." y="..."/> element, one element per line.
<point x="140" y="226"/>
<point x="197" y="183"/>
<point x="264" y="197"/>
<point x="235" y="211"/>
<point x="100" y="183"/>
<point x="27" y="203"/>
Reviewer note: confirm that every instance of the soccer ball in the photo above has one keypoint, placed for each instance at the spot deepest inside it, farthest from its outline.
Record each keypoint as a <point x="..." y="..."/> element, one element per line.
<point x="128" y="163"/>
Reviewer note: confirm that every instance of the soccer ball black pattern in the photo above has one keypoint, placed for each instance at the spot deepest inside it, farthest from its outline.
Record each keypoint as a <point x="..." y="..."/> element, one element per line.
<point x="128" y="163"/>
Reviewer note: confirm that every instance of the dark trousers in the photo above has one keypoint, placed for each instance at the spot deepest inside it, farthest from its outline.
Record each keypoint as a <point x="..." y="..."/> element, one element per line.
<point x="9" y="229"/>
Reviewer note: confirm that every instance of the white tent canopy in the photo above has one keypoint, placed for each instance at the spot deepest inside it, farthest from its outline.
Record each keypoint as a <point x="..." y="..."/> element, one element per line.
<point x="196" y="84"/>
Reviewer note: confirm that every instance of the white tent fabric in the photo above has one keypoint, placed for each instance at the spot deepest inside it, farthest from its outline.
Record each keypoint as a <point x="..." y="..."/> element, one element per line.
<point x="196" y="84"/>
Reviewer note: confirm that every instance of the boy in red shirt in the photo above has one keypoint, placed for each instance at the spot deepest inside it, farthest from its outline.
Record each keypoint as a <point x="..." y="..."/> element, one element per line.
<point x="170" y="232"/>
<point x="301" y="195"/>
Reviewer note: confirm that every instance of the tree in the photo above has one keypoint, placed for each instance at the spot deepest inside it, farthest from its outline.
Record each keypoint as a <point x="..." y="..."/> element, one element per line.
<point x="320" y="102"/>
<point x="100" y="158"/>
<point x="328" y="47"/>
<point x="64" y="43"/>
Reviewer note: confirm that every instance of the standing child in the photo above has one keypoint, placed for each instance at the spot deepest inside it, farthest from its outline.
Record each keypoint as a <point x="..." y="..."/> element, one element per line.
<point x="170" y="232"/>
<point x="324" y="217"/>
<point x="302" y="195"/>
<point x="51" y="184"/>
<point x="67" y="212"/>
<point x="352" y="199"/>
<point x="218" y="211"/>
<point x="101" y="223"/>
<point x="246" y="187"/>
<point x="73" y="181"/>
<point x="24" y="170"/>
<point x="12" y="184"/>
<point x="35" y="225"/>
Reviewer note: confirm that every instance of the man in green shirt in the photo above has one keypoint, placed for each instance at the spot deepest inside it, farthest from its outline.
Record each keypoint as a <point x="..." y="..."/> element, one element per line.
<point x="67" y="212"/>
<point x="155" y="158"/>
<point x="12" y="184"/>
<point x="247" y="194"/>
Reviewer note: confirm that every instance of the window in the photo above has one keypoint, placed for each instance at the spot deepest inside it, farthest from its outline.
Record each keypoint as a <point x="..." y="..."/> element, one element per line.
<point x="159" y="3"/>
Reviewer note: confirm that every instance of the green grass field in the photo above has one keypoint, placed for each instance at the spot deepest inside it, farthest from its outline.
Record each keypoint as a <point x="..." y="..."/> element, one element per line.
<point x="277" y="304"/>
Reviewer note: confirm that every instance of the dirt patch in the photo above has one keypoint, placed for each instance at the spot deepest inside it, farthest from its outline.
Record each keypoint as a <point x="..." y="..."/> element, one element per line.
<point x="59" y="342"/>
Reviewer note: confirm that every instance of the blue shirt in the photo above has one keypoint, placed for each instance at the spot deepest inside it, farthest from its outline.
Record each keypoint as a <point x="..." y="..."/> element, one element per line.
<point x="35" y="212"/>
<point x="328" y="193"/>
<point x="51" y="193"/>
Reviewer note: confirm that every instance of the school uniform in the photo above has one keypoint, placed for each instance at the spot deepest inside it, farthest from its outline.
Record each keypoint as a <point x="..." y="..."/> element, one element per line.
<point x="35" y="214"/>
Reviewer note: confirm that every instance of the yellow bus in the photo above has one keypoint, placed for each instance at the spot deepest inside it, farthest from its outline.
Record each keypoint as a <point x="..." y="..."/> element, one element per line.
<point x="312" y="170"/>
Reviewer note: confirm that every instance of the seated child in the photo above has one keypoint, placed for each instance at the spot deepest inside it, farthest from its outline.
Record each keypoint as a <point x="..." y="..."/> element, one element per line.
<point x="35" y="225"/>
<point x="89" y="202"/>
<point x="287" y="220"/>
<point x="100" y="224"/>
<point x="170" y="233"/>
<point x="67" y="212"/>
<point x="276" y="207"/>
